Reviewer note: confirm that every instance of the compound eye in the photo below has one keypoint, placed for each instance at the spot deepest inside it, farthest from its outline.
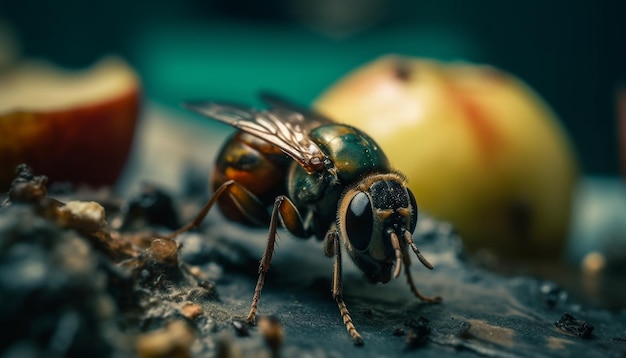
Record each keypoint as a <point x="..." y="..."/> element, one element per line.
<point x="413" y="210"/>
<point x="360" y="221"/>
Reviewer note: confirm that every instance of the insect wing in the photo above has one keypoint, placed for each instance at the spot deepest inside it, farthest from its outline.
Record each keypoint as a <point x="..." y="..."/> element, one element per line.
<point x="286" y="129"/>
<point x="277" y="102"/>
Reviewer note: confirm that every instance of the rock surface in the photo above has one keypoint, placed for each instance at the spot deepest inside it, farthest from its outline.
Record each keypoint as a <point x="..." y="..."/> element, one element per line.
<point x="69" y="289"/>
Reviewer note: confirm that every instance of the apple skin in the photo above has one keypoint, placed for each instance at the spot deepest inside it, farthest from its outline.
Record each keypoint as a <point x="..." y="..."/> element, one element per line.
<point x="83" y="143"/>
<point x="479" y="148"/>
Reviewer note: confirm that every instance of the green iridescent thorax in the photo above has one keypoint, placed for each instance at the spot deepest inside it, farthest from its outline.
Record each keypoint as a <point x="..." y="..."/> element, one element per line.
<point x="353" y="153"/>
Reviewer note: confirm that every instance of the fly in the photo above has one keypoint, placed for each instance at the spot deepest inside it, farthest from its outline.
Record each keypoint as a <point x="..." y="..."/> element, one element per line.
<point x="293" y="167"/>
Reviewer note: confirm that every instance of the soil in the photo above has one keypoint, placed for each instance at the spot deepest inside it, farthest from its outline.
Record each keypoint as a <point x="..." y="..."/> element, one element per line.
<point x="74" y="285"/>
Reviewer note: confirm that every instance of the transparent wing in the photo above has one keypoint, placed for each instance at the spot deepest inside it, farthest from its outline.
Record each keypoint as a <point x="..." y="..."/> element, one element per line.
<point x="284" y="128"/>
<point x="313" y="118"/>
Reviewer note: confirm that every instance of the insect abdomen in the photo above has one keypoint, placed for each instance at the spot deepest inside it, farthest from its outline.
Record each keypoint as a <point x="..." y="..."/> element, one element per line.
<point x="254" y="164"/>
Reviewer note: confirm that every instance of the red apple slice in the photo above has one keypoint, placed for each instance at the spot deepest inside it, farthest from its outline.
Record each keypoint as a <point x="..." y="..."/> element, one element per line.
<point x="75" y="126"/>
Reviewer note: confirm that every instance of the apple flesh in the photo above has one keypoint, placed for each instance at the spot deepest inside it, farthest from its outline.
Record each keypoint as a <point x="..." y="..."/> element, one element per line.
<point x="73" y="126"/>
<point x="480" y="149"/>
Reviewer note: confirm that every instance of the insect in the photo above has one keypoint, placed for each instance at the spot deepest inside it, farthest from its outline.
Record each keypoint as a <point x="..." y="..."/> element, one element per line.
<point x="315" y="177"/>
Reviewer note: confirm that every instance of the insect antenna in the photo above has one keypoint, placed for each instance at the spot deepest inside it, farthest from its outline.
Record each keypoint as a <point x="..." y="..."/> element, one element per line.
<point x="409" y="240"/>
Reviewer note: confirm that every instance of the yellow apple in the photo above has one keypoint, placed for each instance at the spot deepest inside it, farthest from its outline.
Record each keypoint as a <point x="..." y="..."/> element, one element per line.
<point x="74" y="126"/>
<point x="480" y="149"/>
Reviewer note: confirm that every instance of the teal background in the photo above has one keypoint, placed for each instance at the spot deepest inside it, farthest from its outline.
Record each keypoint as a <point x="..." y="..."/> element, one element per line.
<point x="571" y="52"/>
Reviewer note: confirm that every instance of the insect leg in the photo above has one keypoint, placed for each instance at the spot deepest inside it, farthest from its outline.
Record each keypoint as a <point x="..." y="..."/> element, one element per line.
<point x="285" y="211"/>
<point x="395" y="243"/>
<point x="333" y="237"/>
<point x="247" y="203"/>
<point x="329" y="243"/>
<point x="409" y="279"/>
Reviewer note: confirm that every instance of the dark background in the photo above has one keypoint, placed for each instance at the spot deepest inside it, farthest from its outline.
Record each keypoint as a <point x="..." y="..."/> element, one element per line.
<point x="571" y="52"/>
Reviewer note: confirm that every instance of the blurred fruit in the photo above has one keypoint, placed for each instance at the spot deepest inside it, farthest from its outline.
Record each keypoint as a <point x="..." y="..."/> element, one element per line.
<point x="73" y="126"/>
<point x="480" y="149"/>
<point x="621" y="126"/>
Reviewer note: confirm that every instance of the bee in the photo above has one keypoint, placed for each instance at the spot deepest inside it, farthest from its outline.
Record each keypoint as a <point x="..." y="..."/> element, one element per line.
<point x="290" y="165"/>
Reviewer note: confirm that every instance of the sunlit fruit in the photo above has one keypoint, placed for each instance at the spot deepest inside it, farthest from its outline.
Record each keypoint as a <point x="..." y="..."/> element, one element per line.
<point x="75" y="126"/>
<point x="479" y="147"/>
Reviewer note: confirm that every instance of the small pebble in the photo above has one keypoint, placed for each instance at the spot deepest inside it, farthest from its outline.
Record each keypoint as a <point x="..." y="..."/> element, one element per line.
<point x="569" y="324"/>
<point x="272" y="331"/>
<point x="172" y="341"/>
<point x="165" y="250"/>
<point x="192" y="310"/>
<point x="241" y="327"/>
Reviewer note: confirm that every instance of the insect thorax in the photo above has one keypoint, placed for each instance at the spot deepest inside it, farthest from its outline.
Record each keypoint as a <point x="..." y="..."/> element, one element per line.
<point x="354" y="155"/>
